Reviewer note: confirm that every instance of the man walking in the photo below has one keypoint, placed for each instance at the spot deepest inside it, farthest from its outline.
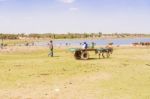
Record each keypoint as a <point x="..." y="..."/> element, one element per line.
<point x="50" y="44"/>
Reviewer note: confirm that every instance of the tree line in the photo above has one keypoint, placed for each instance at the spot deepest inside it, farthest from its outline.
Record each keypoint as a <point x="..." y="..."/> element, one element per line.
<point x="67" y="35"/>
<point x="50" y="35"/>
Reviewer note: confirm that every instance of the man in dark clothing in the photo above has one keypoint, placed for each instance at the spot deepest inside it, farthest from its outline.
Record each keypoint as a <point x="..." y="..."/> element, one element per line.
<point x="50" y="44"/>
<point x="92" y="45"/>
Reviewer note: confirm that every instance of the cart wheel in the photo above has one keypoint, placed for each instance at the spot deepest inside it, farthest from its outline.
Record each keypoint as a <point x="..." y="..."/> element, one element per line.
<point x="77" y="54"/>
<point x="85" y="55"/>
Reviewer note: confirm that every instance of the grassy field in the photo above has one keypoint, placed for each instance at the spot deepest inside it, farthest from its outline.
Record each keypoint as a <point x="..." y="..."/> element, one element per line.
<point x="28" y="73"/>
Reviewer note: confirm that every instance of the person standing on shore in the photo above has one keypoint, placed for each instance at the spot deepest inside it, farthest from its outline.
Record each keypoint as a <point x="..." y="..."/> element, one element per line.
<point x="50" y="44"/>
<point x="92" y="45"/>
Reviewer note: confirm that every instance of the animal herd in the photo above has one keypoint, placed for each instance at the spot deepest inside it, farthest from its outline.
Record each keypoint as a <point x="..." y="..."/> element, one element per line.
<point x="141" y="43"/>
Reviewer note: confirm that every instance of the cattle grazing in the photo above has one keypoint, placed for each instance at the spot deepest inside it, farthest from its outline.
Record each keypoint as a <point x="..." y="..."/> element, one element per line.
<point x="141" y="43"/>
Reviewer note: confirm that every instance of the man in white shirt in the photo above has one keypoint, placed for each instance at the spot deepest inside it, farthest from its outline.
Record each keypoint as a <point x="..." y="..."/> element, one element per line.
<point x="85" y="45"/>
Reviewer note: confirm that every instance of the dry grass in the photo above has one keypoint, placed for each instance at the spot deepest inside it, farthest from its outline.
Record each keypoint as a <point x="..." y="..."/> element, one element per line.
<point x="27" y="73"/>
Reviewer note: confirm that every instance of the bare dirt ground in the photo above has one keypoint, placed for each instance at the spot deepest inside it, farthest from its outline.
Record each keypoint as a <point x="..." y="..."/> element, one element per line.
<point x="74" y="88"/>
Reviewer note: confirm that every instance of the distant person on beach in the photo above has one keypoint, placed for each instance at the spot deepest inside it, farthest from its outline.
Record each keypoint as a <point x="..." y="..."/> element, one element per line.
<point x="85" y="45"/>
<point x="32" y="43"/>
<point x="50" y="44"/>
<point x="27" y="44"/>
<point x="92" y="45"/>
<point x="66" y="44"/>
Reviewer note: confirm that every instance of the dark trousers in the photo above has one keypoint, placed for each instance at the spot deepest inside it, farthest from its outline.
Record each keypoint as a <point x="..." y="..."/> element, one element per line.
<point x="50" y="53"/>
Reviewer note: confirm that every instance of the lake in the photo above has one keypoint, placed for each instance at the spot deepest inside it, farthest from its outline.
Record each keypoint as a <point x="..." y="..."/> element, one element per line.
<point x="78" y="42"/>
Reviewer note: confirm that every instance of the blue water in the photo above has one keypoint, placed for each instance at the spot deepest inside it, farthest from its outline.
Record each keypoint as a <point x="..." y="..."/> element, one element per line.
<point x="77" y="42"/>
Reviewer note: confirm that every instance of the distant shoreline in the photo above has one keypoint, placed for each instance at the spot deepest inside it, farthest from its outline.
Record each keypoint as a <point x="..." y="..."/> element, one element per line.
<point x="75" y="42"/>
<point x="96" y="38"/>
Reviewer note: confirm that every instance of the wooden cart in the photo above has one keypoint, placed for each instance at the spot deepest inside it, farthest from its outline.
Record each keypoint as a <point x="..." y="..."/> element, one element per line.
<point x="84" y="53"/>
<point x="81" y="53"/>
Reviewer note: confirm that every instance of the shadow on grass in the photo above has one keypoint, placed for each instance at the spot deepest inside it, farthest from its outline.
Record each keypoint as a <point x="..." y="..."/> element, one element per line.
<point x="53" y="56"/>
<point x="94" y="59"/>
<point x="88" y="59"/>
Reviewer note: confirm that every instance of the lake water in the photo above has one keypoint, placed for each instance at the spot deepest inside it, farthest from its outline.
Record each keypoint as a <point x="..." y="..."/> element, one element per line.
<point x="78" y="42"/>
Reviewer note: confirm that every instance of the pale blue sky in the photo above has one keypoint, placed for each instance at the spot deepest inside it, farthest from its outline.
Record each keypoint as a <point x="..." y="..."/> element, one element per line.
<point x="61" y="16"/>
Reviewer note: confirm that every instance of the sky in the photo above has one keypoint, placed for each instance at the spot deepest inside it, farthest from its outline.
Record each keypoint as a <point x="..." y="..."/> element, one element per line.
<point x="63" y="16"/>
